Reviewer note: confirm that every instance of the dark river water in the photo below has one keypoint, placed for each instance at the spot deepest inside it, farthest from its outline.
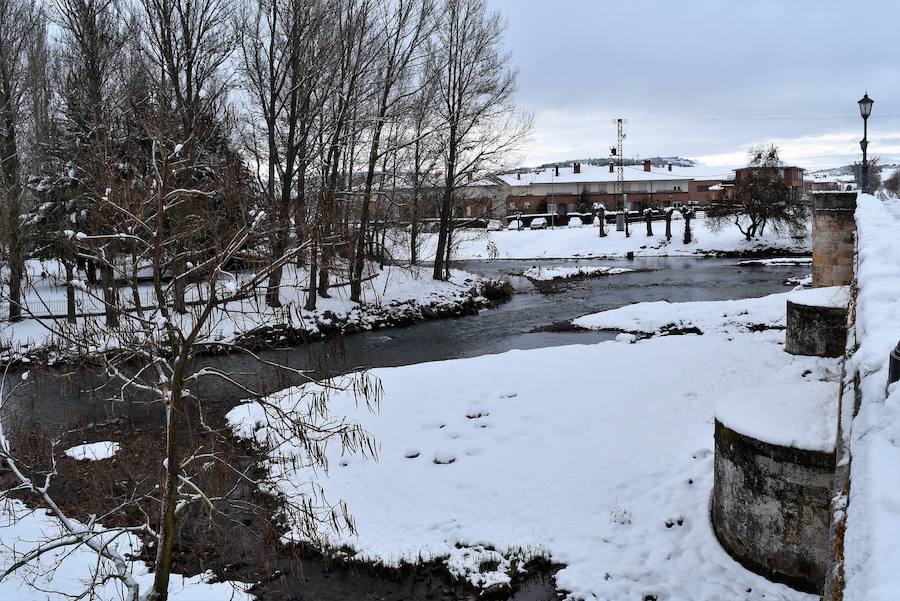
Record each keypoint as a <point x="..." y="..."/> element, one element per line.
<point x="66" y="396"/>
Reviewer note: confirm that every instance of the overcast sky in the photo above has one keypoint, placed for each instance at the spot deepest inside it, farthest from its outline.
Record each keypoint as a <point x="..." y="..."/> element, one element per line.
<point x="704" y="79"/>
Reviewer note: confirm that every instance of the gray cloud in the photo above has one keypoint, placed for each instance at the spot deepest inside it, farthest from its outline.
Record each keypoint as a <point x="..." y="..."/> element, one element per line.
<point x="706" y="78"/>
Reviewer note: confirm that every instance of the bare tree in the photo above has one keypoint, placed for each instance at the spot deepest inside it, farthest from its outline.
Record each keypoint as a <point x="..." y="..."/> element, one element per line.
<point x="186" y="43"/>
<point x="281" y="43"/>
<point x="761" y="198"/>
<point x="402" y="27"/>
<point x="479" y="126"/>
<point x="17" y="26"/>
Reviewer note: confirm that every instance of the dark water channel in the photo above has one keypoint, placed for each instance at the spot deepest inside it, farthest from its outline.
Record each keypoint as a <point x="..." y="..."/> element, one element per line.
<point x="68" y="396"/>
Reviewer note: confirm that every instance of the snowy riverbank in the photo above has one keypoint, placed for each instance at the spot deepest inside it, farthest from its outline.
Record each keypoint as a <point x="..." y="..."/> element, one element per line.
<point x="394" y="296"/>
<point x="584" y="242"/>
<point x="65" y="573"/>
<point x="598" y="456"/>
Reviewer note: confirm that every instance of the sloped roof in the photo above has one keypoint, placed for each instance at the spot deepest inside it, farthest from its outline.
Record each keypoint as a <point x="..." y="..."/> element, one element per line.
<point x="601" y="173"/>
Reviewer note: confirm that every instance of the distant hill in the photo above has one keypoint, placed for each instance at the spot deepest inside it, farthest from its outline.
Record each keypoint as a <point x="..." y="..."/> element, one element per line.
<point x="655" y="161"/>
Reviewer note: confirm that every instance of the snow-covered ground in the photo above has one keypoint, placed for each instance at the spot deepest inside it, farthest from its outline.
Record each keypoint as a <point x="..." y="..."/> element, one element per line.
<point x="871" y="549"/>
<point x="65" y="573"/>
<point x="561" y="272"/>
<point x="599" y="456"/>
<point x="561" y="243"/>
<point x="393" y="294"/>
<point x="741" y="315"/>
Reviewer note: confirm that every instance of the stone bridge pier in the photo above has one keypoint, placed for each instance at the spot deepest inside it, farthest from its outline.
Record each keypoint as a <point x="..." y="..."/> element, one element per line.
<point x="772" y="492"/>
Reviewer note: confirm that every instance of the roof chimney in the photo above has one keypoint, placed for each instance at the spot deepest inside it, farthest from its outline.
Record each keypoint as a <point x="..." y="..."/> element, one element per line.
<point x="470" y="176"/>
<point x="669" y="166"/>
<point x="556" y="169"/>
<point x="518" y="175"/>
<point x="576" y="168"/>
<point x="611" y="166"/>
<point x="647" y="165"/>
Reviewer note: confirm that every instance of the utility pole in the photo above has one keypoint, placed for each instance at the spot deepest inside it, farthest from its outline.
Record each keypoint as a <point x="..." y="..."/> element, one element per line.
<point x="620" y="175"/>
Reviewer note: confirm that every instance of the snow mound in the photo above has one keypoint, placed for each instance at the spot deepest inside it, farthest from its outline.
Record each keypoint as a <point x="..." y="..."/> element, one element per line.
<point x="94" y="451"/>
<point x="547" y="274"/>
<point x="778" y="261"/>
<point x="729" y="316"/>
<point x="797" y="414"/>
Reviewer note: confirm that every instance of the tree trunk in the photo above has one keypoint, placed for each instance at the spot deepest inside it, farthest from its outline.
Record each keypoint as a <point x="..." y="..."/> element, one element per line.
<point x="16" y="269"/>
<point x="167" y="528"/>
<point x="70" y="290"/>
<point x="179" y="286"/>
<point x="312" y="289"/>
<point x="110" y="303"/>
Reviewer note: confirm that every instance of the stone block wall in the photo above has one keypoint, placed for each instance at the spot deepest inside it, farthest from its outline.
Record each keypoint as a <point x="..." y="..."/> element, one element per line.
<point x="834" y="237"/>
<point x="770" y="508"/>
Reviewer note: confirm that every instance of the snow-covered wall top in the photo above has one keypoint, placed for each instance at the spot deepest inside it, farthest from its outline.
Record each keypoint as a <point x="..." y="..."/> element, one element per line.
<point x="871" y="552"/>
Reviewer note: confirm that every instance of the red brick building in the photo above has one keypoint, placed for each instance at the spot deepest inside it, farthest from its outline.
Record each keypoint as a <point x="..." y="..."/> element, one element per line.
<point x="792" y="176"/>
<point x="561" y="190"/>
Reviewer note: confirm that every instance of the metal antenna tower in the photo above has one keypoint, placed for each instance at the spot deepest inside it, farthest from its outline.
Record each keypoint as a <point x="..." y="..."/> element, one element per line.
<point x="620" y="174"/>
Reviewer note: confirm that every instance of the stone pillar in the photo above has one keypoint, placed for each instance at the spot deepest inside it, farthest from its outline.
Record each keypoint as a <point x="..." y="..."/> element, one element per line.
<point x="770" y="507"/>
<point x="815" y="330"/>
<point x="834" y="234"/>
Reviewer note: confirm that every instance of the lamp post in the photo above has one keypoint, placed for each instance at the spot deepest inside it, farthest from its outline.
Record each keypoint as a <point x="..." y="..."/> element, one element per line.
<point x="865" y="109"/>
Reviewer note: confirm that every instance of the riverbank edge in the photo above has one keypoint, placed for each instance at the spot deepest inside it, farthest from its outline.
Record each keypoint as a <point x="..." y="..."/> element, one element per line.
<point x="474" y="294"/>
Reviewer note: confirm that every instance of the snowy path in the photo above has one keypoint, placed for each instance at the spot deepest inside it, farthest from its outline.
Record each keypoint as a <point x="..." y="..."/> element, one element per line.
<point x="600" y="456"/>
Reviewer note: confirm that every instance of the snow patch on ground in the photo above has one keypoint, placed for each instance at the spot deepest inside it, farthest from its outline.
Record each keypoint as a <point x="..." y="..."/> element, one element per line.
<point x="64" y="573"/>
<point x="748" y="314"/>
<point x="607" y="470"/>
<point x="94" y="451"/>
<point x="547" y="274"/>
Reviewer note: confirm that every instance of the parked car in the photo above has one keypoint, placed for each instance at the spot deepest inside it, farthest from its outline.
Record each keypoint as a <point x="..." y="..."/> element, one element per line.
<point x="494" y="225"/>
<point x="538" y="223"/>
<point x="515" y="224"/>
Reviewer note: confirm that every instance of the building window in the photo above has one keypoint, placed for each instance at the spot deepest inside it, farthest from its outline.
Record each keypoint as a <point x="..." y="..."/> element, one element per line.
<point x="526" y="204"/>
<point x="551" y="207"/>
<point x="512" y="205"/>
<point x="676" y="188"/>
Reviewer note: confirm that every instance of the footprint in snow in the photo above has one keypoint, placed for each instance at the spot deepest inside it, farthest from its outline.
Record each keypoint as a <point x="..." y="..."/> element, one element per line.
<point x="444" y="458"/>
<point x="411" y="453"/>
<point x="679" y="521"/>
<point x="477" y="414"/>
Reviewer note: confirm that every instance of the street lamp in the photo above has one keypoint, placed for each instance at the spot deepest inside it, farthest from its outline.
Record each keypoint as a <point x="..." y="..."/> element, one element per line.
<point x="865" y="109"/>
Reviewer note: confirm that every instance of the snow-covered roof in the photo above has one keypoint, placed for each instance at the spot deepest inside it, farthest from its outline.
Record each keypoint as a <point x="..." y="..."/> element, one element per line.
<point x="601" y="173"/>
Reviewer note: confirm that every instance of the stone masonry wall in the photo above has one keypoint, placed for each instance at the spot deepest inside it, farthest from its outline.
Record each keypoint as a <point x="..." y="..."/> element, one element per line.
<point x="834" y="236"/>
